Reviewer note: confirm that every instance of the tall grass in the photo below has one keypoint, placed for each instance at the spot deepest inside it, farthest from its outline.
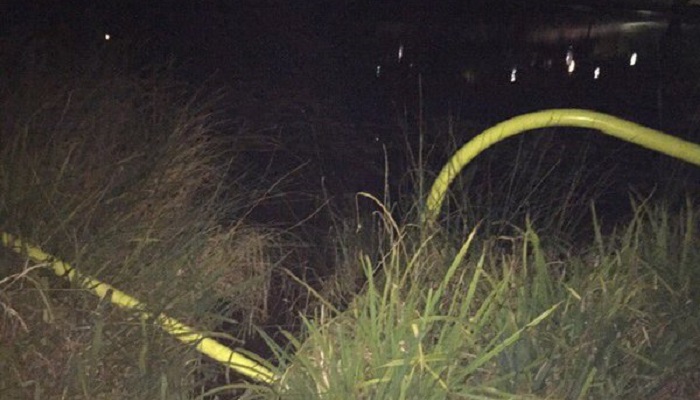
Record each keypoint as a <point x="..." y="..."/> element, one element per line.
<point x="588" y="310"/>
<point x="615" y="321"/>
<point x="127" y="177"/>
<point x="522" y="292"/>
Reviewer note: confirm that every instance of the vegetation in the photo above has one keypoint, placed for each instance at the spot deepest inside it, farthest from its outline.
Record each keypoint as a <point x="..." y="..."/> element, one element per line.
<point x="614" y="320"/>
<point x="127" y="177"/>
<point x="526" y="289"/>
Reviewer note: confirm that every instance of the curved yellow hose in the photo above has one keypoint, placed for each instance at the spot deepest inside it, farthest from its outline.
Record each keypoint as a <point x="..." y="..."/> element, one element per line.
<point x="180" y="331"/>
<point x="609" y="125"/>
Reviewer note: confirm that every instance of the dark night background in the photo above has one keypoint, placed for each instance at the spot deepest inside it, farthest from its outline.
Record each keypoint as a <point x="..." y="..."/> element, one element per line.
<point x="339" y="60"/>
<point x="335" y="46"/>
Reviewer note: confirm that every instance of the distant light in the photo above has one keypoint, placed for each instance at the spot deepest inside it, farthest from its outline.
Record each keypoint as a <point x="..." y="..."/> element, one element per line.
<point x="596" y="73"/>
<point x="400" y="52"/>
<point x="514" y="74"/>
<point x="570" y="62"/>
<point x="569" y="55"/>
<point x="633" y="59"/>
<point x="379" y="70"/>
<point x="108" y="36"/>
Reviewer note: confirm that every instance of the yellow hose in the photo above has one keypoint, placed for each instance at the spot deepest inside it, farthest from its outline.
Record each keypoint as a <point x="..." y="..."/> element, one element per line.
<point x="180" y="331"/>
<point x="609" y="125"/>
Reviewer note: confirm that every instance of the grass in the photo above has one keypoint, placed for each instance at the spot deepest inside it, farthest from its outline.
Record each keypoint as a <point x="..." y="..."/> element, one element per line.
<point x="526" y="289"/>
<point x="614" y="322"/>
<point x="125" y="176"/>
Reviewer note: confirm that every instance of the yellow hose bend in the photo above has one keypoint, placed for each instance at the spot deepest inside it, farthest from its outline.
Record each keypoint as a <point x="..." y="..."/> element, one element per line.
<point x="609" y="125"/>
<point x="178" y="330"/>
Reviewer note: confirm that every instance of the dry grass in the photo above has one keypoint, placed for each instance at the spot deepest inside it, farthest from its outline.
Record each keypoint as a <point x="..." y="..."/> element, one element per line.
<point x="128" y="178"/>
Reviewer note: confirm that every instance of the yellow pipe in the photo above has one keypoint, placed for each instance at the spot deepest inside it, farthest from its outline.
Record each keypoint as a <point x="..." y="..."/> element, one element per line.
<point x="609" y="125"/>
<point x="180" y="331"/>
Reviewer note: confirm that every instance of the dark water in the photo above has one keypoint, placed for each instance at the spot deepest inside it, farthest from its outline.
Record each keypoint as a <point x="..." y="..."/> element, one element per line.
<point x="364" y="59"/>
